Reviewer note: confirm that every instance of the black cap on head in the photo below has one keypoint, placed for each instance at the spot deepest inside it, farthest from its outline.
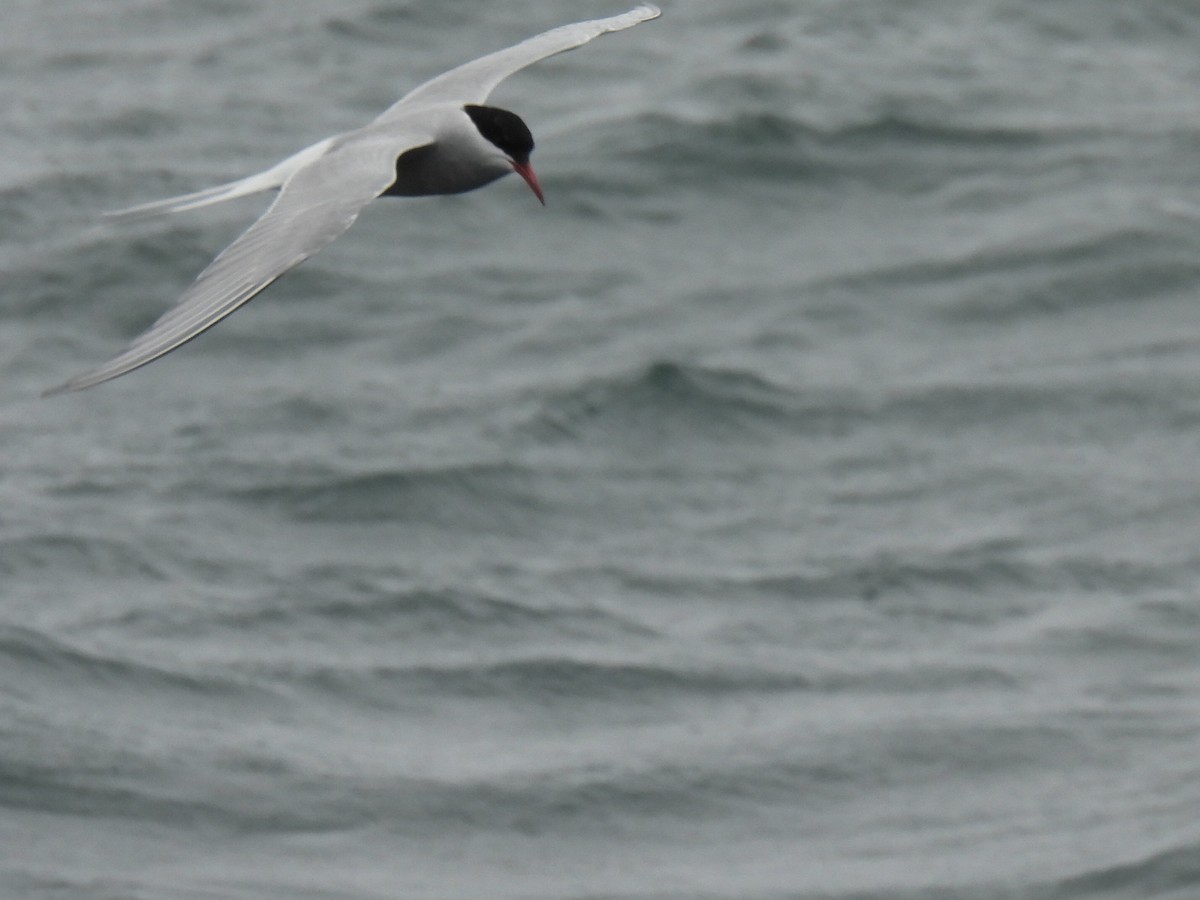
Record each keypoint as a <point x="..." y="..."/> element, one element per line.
<point x="504" y="129"/>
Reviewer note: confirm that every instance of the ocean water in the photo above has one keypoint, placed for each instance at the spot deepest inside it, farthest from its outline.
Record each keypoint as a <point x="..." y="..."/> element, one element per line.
<point x="804" y="505"/>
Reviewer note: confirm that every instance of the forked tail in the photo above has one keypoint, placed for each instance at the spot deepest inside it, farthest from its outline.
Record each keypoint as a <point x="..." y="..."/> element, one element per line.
<point x="271" y="179"/>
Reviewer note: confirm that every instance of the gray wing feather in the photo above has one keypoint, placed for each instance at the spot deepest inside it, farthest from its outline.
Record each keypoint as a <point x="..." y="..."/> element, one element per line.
<point x="472" y="82"/>
<point x="315" y="206"/>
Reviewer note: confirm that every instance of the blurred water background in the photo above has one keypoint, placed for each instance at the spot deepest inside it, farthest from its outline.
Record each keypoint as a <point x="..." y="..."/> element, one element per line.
<point x="803" y="505"/>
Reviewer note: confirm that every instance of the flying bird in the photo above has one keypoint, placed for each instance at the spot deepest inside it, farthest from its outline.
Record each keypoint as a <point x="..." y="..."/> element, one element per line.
<point x="440" y="138"/>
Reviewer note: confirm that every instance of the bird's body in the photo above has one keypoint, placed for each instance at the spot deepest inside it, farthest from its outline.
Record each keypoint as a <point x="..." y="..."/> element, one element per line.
<point x="438" y="139"/>
<point x="462" y="157"/>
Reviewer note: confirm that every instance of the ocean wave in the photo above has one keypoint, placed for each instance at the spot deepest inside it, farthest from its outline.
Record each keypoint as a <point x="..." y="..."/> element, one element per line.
<point x="959" y="408"/>
<point x="1170" y="873"/>
<point x="487" y="496"/>
<point x="1122" y="25"/>
<point x="1121" y="265"/>
<point x="892" y="576"/>
<point x="669" y="402"/>
<point x="890" y="149"/>
<point x="43" y="660"/>
<point x="100" y="557"/>
<point x="981" y="570"/>
<point x="339" y="603"/>
<point x="551" y="682"/>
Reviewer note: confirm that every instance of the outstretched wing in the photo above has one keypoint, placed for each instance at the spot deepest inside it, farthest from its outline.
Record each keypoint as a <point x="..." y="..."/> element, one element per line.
<point x="315" y="206"/>
<point x="472" y="82"/>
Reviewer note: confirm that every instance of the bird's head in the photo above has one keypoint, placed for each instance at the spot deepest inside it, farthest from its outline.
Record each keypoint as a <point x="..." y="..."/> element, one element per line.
<point x="508" y="134"/>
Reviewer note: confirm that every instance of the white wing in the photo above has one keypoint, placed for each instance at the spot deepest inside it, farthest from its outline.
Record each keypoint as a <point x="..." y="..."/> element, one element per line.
<point x="472" y="82"/>
<point x="315" y="206"/>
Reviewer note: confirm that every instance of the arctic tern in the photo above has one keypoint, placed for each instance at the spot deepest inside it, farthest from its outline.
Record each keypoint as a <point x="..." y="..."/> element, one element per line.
<point x="440" y="138"/>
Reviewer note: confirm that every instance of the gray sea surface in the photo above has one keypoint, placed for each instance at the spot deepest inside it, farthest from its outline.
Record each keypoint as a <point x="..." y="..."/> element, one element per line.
<point x="804" y="505"/>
